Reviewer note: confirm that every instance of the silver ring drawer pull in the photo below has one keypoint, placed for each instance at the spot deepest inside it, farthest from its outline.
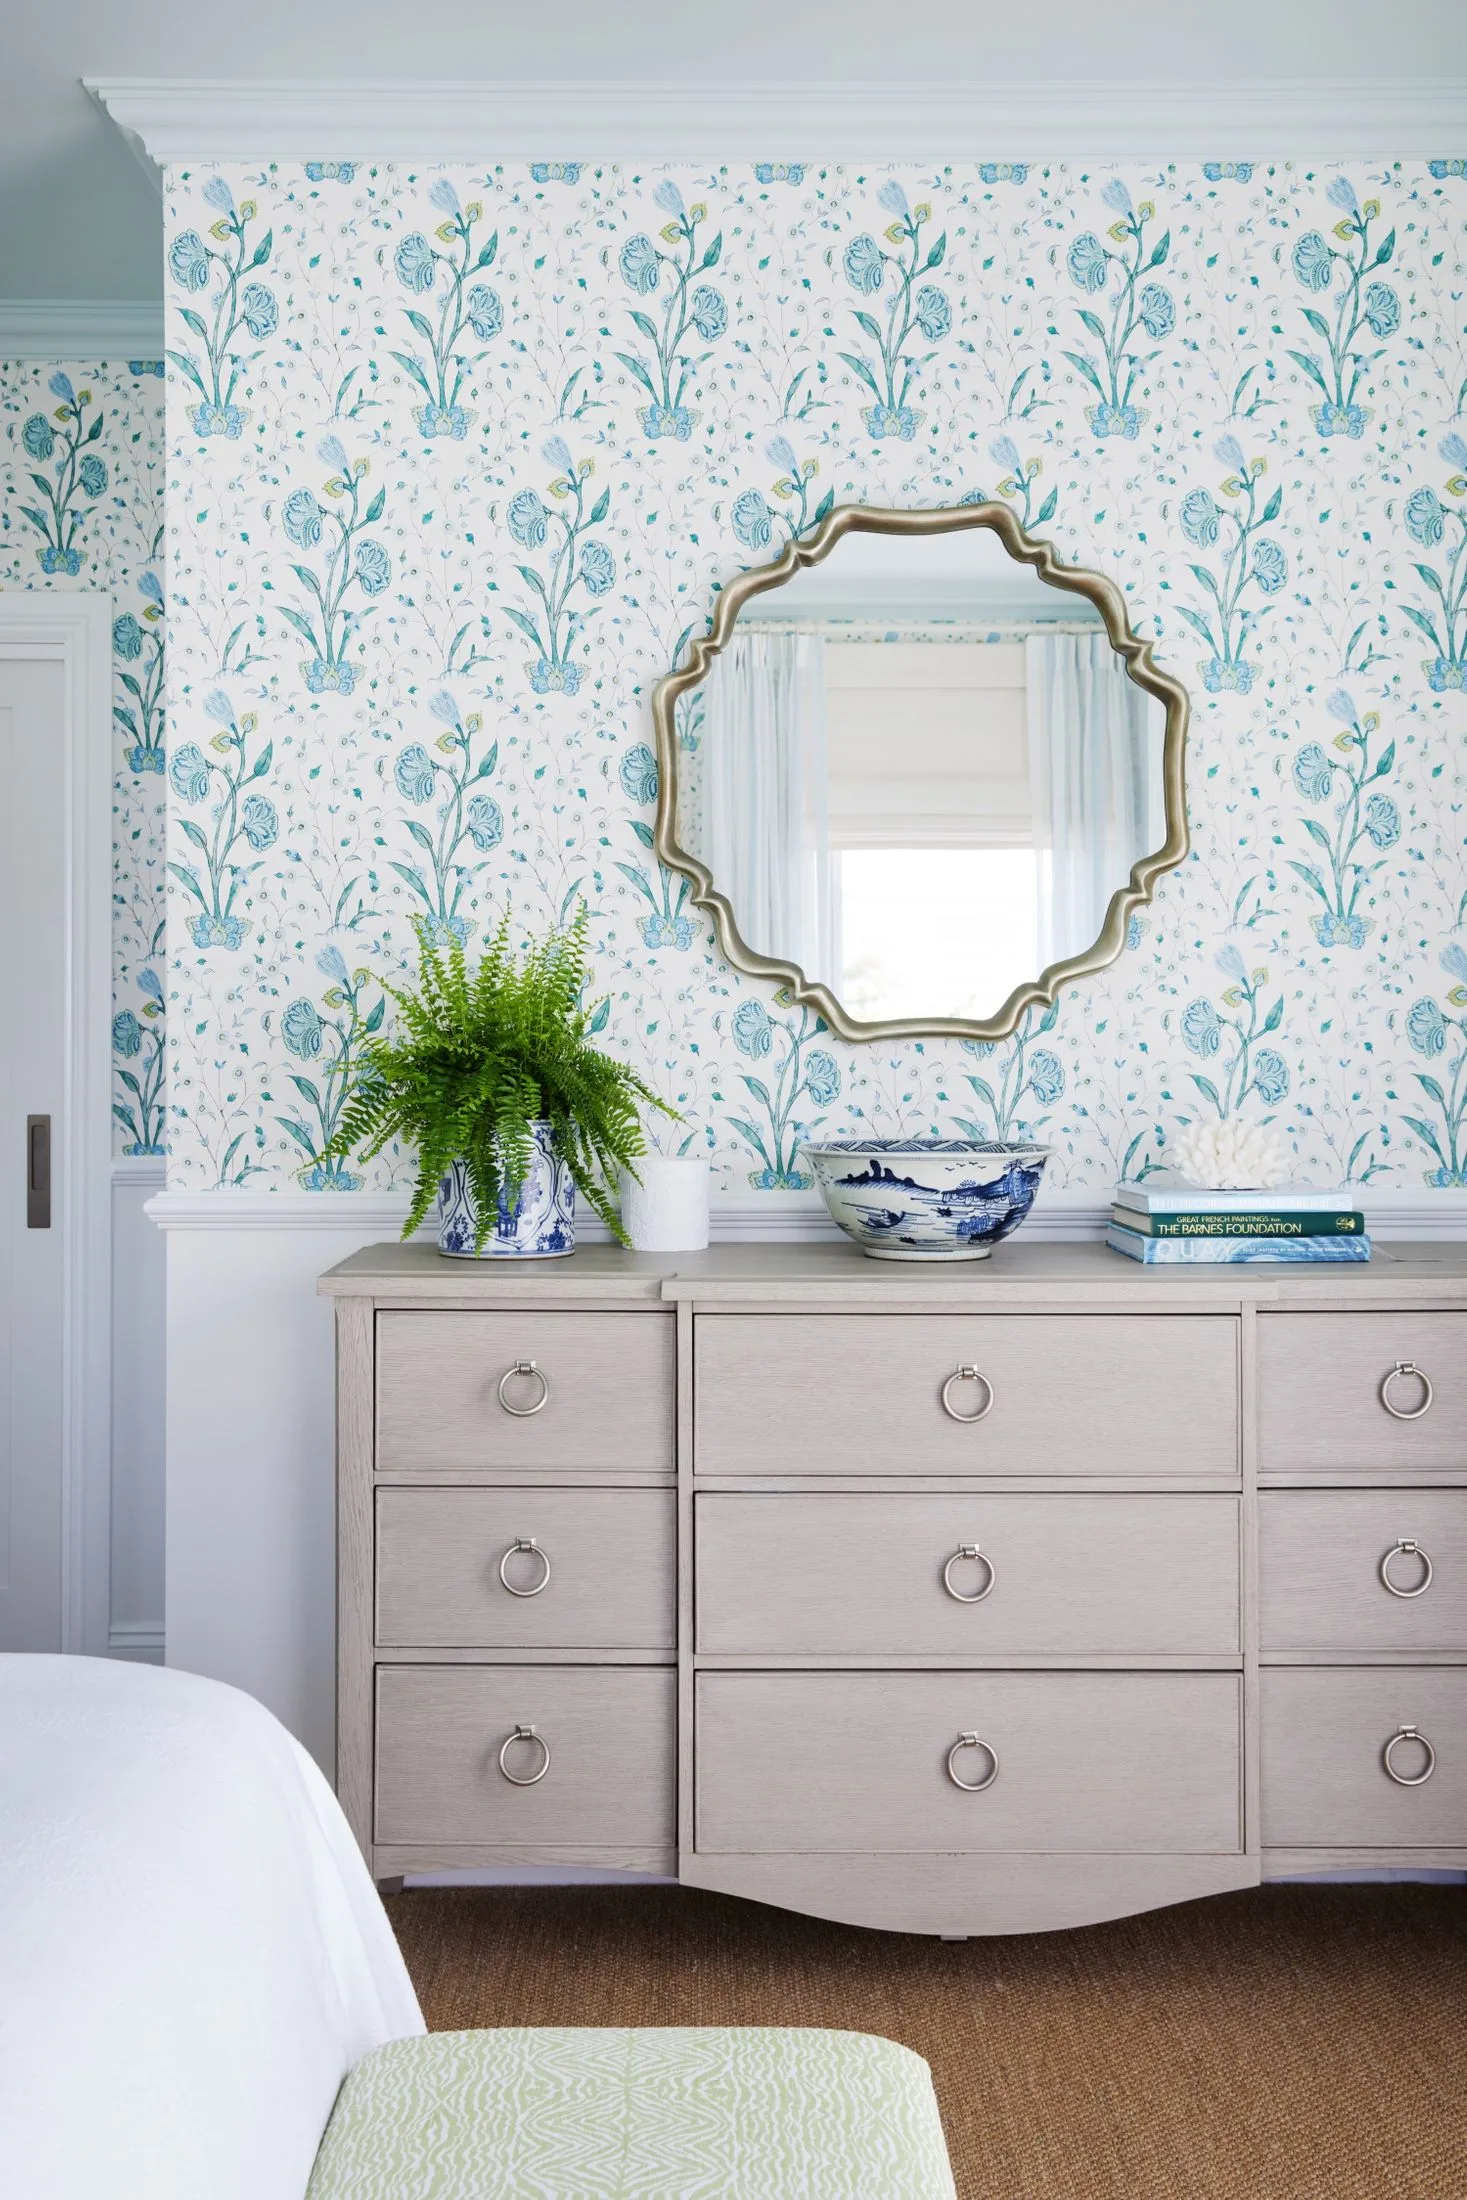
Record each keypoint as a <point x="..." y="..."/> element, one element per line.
<point x="972" y="1552"/>
<point x="967" y="1374"/>
<point x="973" y="1741"/>
<point x="1407" y="1546"/>
<point x="523" y="1367"/>
<point x="1409" y="1779"/>
<point x="524" y="1734"/>
<point x="525" y="1543"/>
<point x="1406" y="1413"/>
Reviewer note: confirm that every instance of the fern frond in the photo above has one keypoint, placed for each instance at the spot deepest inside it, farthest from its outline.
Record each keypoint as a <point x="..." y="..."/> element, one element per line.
<point x="479" y="1056"/>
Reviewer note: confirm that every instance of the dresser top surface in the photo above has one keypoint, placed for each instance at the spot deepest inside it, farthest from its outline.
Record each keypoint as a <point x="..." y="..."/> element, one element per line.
<point x="1033" y="1273"/>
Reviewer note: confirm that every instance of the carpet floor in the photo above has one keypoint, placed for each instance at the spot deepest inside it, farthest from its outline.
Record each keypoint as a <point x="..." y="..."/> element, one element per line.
<point x="1294" y="2043"/>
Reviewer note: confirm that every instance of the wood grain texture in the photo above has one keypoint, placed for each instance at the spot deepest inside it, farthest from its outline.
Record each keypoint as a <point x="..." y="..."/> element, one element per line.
<point x="609" y="1402"/>
<point x="1248" y="1523"/>
<point x="822" y="1575"/>
<point x="1322" y="1736"/>
<point x="354" y="1567"/>
<point x="610" y="1732"/>
<point x="610" y="1552"/>
<point x="841" y="1764"/>
<point x="444" y="1856"/>
<point x="1320" y="1379"/>
<point x="1072" y="1394"/>
<point x="1321" y="1553"/>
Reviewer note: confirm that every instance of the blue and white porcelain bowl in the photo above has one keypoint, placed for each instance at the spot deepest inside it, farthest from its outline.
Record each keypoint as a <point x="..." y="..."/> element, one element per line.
<point x="540" y="1226"/>
<point x="928" y="1198"/>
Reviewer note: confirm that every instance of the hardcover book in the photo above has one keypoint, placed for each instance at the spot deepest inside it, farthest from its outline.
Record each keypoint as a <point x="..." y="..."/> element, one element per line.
<point x="1155" y="1250"/>
<point x="1329" y="1222"/>
<point x="1170" y="1198"/>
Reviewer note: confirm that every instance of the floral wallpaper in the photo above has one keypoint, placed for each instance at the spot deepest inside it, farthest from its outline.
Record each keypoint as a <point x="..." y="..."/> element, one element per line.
<point x="81" y="506"/>
<point x="457" y="461"/>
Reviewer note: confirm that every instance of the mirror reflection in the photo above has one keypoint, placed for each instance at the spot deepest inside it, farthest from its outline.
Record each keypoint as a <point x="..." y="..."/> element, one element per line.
<point x="920" y="773"/>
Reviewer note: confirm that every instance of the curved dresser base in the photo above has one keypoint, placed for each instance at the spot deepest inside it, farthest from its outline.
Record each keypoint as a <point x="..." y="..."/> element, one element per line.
<point x="968" y="1896"/>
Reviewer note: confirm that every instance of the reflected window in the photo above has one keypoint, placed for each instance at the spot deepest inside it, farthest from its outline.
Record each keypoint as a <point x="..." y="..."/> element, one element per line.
<point x="920" y="774"/>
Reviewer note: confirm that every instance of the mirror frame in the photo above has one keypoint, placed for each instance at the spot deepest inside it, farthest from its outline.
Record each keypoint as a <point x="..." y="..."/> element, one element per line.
<point x="805" y="551"/>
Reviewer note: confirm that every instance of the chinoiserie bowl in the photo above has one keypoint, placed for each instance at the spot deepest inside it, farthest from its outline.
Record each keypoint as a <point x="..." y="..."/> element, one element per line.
<point x="928" y="1198"/>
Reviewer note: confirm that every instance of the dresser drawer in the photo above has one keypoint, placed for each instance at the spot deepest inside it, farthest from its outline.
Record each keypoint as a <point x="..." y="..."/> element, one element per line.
<point x="1327" y="1384"/>
<point x="1333" y="1575"/>
<point x="844" y="1764"/>
<point x="608" y="1729"/>
<point x="834" y="1574"/>
<point x="601" y="1575"/>
<point x="845" y="1394"/>
<point x="448" y="1396"/>
<point x="1324" y="1734"/>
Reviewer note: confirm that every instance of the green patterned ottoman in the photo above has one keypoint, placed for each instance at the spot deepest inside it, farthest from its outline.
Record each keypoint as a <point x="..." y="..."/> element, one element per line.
<point x="635" y="2115"/>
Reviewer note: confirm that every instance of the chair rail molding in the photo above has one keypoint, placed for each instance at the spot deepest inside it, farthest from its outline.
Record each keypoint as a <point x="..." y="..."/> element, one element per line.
<point x="175" y="122"/>
<point x="81" y="328"/>
<point x="1077" y="1212"/>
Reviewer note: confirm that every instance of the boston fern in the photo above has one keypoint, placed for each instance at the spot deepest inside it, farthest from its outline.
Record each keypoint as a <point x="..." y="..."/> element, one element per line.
<point x="478" y="1056"/>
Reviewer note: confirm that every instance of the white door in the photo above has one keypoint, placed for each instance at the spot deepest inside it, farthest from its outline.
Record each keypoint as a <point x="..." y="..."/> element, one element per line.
<point x="34" y="916"/>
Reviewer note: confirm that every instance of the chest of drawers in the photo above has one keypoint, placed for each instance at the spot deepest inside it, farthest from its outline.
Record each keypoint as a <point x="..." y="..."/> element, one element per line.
<point x="947" y="1601"/>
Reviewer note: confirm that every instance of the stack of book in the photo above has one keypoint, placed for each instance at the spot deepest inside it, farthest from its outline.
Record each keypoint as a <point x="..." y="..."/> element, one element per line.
<point x="1183" y="1222"/>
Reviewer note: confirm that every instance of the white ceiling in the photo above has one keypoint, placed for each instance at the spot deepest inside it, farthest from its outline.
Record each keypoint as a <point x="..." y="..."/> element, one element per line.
<point x="79" y="219"/>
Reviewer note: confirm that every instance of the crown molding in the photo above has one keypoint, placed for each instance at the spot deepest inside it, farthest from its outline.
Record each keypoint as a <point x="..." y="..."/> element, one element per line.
<point x="81" y="328"/>
<point x="180" y="123"/>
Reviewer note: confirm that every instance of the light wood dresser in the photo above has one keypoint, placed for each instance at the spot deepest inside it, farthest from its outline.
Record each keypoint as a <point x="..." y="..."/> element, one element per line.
<point x="964" y="1600"/>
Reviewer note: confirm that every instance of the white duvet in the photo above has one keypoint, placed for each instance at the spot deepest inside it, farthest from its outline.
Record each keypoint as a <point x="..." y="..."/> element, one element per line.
<point x="192" y="1955"/>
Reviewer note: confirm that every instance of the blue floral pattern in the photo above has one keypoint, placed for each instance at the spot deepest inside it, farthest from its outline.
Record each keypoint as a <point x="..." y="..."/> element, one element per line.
<point x="1230" y="1042"/>
<point x="1363" y="821"/>
<point x="756" y="522"/>
<point x="227" y="265"/>
<point x="1023" y="1072"/>
<point x="1330" y="601"/>
<point x="1439" y="524"/>
<point x="113" y="541"/>
<point x="800" y="1071"/>
<point x="1249" y="560"/>
<point x="137" y="1047"/>
<point x="466" y="813"/>
<point x="353" y="560"/>
<point x="62" y="440"/>
<point x="1137" y="305"/>
<point x="688" y="305"/>
<point x="329" y="1051"/>
<point x="212" y="879"/>
<point x="1338" y="369"/>
<point x="1433" y="1031"/>
<point x="912" y="304"/>
<point x="464" y="299"/>
<point x="554" y="623"/>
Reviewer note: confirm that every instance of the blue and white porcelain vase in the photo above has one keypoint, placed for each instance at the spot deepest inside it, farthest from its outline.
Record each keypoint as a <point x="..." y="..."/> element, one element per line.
<point x="540" y="1226"/>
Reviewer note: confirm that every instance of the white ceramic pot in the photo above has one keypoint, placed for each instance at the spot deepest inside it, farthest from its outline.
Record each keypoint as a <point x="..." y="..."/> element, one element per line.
<point x="667" y="1212"/>
<point x="540" y="1226"/>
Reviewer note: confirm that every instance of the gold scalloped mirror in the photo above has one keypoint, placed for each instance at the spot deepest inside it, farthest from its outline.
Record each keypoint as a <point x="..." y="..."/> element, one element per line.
<point x="920" y="772"/>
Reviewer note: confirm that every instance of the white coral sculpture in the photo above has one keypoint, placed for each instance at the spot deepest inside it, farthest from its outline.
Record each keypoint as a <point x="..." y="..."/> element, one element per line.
<point x="1231" y="1156"/>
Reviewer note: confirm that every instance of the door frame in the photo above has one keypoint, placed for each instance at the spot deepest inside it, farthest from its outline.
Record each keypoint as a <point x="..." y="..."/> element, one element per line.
<point x="75" y="627"/>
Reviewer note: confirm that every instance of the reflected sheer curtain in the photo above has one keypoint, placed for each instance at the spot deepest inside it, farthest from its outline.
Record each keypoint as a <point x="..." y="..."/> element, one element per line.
<point x="1094" y="782"/>
<point x="765" y="832"/>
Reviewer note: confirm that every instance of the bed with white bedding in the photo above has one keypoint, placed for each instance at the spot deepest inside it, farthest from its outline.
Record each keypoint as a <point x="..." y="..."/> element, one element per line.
<point x="192" y="1957"/>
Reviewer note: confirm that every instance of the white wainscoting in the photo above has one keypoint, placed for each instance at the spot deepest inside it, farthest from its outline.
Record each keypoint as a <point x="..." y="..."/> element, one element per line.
<point x="250" y="1416"/>
<point x="138" y="1356"/>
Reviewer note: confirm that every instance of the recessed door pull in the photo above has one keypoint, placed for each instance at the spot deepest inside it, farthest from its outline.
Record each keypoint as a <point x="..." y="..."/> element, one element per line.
<point x="38" y="1172"/>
